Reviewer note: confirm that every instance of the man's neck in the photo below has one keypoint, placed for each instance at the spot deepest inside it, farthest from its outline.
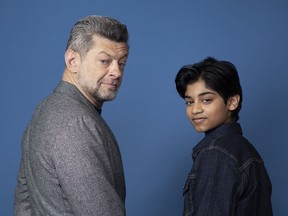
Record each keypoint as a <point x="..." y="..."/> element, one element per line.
<point x="69" y="77"/>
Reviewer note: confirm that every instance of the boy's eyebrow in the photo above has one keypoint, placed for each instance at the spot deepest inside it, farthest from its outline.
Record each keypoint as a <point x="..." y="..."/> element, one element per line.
<point x="201" y="94"/>
<point x="205" y="93"/>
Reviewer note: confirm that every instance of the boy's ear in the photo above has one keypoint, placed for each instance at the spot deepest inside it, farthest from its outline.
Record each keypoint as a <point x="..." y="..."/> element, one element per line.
<point x="233" y="102"/>
<point x="72" y="60"/>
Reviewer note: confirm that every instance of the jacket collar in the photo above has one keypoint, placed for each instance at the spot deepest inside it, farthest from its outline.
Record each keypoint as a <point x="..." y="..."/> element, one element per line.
<point x="228" y="128"/>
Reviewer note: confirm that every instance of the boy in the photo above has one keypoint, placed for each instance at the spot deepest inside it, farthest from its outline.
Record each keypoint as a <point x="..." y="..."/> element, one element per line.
<point x="228" y="176"/>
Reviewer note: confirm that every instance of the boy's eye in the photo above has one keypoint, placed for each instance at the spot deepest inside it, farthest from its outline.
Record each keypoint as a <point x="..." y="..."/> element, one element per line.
<point x="207" y="100"/>
<point x="188" y="103"/>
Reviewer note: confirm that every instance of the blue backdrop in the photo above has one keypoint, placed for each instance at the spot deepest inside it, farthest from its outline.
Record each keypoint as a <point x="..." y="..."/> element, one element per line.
<point x="148" y="117"/>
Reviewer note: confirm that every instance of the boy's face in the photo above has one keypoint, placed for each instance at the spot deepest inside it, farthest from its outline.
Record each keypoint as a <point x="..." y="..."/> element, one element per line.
<point x="205" y="108"/>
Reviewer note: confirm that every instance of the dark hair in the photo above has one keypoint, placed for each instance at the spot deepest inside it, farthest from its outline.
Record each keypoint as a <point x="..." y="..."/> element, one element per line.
<point x="82" y="33"/>
<point x="219" y="76"/>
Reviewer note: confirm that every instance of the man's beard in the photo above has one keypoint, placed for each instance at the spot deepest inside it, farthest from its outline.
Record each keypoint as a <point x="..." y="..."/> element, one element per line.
<point x="108" y="96"/>
<point x="105" y="95"/>
<point x="98" y="92"/>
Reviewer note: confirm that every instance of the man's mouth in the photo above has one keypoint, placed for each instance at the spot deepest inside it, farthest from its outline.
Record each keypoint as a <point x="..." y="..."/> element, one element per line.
<point x="113" y="85"/>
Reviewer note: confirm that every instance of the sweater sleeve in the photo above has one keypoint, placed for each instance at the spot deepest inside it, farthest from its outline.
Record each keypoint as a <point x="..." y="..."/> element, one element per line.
<point x="82" y="159"/>
<point x="22" y="205"/>
<point x="22" y="202"/>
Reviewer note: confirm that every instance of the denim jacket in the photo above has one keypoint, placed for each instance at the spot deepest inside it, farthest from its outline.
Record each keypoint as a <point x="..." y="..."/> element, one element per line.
<point x="228" y="177"/>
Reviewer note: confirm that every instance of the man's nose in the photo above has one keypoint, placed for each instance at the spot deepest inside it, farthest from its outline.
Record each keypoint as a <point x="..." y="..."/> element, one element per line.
<point x="115" y="70"/>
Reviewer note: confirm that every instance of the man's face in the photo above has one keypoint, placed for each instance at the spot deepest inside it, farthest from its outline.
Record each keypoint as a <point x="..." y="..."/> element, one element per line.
<point x="101" y="70"/>
<point x="205" y="108"/>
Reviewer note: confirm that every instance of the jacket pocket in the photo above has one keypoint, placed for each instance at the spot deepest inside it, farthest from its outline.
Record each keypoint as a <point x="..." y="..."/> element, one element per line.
<point x="188" y="194"/>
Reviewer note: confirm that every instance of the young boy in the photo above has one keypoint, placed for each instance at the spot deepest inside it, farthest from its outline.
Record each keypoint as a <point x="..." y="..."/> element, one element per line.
<point x="228" y="176"/>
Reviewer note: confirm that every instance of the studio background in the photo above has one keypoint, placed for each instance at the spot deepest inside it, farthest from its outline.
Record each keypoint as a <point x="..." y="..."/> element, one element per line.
<point x="148" y="117"/>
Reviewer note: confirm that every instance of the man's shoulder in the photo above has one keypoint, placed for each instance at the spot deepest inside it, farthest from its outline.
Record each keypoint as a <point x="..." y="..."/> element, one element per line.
<point x="61" y="109"/>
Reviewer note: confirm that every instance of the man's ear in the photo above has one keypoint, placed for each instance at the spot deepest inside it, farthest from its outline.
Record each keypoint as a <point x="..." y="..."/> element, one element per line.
<point x="233" y="102"/>
<point x="72" y="60"/>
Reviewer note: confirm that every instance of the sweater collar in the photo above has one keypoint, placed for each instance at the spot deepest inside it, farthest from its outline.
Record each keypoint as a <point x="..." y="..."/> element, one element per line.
<point x="72" y="91"/>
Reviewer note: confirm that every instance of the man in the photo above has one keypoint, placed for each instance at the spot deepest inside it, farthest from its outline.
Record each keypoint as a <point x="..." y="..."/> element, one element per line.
<point x="71" y="163"/>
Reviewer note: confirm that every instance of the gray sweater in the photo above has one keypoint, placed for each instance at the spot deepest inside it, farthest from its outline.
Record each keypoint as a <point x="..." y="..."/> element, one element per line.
<point x="71" y="163"/>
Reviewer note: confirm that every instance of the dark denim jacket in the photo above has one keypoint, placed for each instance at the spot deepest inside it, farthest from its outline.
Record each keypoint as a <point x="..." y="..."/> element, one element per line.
<point x="228" y="177"/>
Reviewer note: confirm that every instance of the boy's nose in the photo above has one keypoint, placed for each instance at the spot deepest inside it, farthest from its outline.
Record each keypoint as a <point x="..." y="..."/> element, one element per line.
<point x="197" y="108"/>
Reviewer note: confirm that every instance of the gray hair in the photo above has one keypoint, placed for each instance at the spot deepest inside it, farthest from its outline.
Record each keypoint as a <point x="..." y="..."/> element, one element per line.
<point x="82" y="33"/>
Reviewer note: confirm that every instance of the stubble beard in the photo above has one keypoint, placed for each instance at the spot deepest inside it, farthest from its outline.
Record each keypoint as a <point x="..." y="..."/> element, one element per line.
<point x="100" y="94"/>
<point x="105" y="95"/>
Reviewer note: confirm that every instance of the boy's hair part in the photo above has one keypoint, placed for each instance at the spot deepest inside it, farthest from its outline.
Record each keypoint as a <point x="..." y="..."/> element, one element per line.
<point x="219" y="76"/>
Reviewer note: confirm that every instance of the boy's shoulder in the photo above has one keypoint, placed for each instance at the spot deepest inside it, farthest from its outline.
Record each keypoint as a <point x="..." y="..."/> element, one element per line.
<point x="238" y="147"/>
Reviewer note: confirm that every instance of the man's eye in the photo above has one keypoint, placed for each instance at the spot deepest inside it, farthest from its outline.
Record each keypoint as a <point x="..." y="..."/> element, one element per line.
<point x="122" y="64"/>
<point x="104" y="61"/>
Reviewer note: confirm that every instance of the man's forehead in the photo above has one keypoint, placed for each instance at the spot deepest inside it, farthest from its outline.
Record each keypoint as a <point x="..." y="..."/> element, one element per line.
<point x="104" y="45"/>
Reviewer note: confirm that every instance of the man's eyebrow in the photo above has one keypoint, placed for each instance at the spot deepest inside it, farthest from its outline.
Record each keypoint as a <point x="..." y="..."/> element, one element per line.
<point x="125" y="55"/>
<point x="104" y="52"/>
